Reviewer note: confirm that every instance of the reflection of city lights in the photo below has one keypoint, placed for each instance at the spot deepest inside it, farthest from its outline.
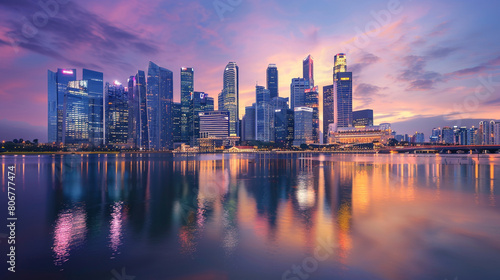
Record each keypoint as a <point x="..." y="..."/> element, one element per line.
<point x="115" y="230"/>
<point x="69" y="233"/>
<point x="305" y="197"/>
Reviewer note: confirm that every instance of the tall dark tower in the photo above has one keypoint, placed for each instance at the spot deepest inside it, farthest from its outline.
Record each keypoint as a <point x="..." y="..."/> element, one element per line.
<point x="308" y="70"/>
<point x="187" y="88"/>
<point x="272" y="80"/>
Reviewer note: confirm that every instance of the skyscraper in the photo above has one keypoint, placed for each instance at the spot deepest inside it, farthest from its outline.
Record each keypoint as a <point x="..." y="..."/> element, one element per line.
<point x="312" y="101"/>
<point x="142" y="114"/>
<point x="187" y="88"/>
<point x="249" y="122"/>
<point x="308" y="70"/>
<point x="133" y="109"/>
<point x="303" y="130"/>
<point x="284" y="126"/>
<point x="343" y="99"/>
<point x="76" y="114"/>
<point x="96" y="103"/>
<point x="229" y="96"/>
<point x="57" y="85"/>
<point x="272" y="80"/>
<point x="263" y="114"/>
<point x="340" y="64"/>
<point x="159" y="103"/>
<point x="297" y="92"/>
<point x="200" y="102"/>
<point x="177" y="122"/>
<point x="328" y="110"/>
<point x="116" y="114"/>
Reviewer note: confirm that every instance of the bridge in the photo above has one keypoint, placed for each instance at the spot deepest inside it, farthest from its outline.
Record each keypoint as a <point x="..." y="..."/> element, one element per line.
<point x="434" y="149"/>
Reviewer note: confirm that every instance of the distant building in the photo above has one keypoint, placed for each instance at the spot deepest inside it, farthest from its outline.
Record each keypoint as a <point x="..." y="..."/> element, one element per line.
<point x="496" y="133"/>
<point x="76" y="114"/>
<point x="177" y="122"/>
<point x="312" y="101"/>
<point x="343" y="99"/>
<point x="95" y="87"/>
<point x="200" y="102"/>
<point x="214" y="124"/>
<point x="249" y="123"/>
<point x="328" y="110"/>
<point x="436" y="136"/>
<point x="308" y="70"/>
<point x="116" y="114"/>
<point x="277" y="103"/>
<point x="297" y="92"/>
<point x="187" y="88"/>
<point x="418" y="138"/>
<point x="142" y="117"/>
<point x="57" y="85"/>
<point x="272" y="80"/>
<point x="303" y="130"/>
<point x="159" y="105"/>
<point x="362" y="118"/>
<point x="284" y="126"/>
<point x="360" y="135"/>
<point x="229" y="96"/>
<point x="448" y="135"/>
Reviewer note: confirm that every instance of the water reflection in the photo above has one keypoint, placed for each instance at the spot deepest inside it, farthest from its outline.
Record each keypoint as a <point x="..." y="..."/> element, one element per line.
<point x="240" y="215"/>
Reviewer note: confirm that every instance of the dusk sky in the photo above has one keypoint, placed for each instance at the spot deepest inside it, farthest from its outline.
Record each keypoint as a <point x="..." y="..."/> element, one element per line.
<point x="417" y="64"/>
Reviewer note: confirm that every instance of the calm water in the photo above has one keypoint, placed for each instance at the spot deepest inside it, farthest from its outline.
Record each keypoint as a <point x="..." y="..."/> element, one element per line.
<point x="301" y="216"/>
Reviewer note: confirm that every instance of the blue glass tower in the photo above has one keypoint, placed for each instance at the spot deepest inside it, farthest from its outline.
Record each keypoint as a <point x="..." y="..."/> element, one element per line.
<point x="117" y="114"/>
<point x="263" y="114"/>
<point x="142" y="114"/>
<point x="96" y="103"/>
<point x="272" y="80"/>
<point x="187" y="88"/>
<point x="57" y="85"/>
<point x="343" y="99"/>
<point x="159" y="103"/>
<point x="76" y="114"/>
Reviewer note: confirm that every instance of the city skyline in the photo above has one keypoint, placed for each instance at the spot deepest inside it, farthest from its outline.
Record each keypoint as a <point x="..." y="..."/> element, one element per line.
<point x="427" y="63"/>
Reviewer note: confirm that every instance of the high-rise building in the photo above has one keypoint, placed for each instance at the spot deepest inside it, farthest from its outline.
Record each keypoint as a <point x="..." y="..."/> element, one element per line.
<point x="496" y="133"/>
<point x="436" y="135"/>
<point x="187" y="88"/>
<point x="57" y="85"/>
<point x="272" y="80"/>
<point x="418" y="137"/>
<point x="343" y="99"/>
<point x="200" y="102"/>
<point x="96" y="103"/>
<point x="116" y="114"/>
<point x="308" y="70"/>
<point x="448" y="135"/>
<point x="312" y="101"/>
<point x="214" y="124"/>
<point x="297" y="92"/>
<point x="133" y="112"/>
<point x="362" y="118"/>
<point x="177" y="122"/>
<point x="328" y="110"/>
<point x="340" y="64"/>
<point x="303" y="130"/>
<point x="76" y="114"/>
<point x="472" y="136"/>
<point x="249" y="123"/>
<point x="142" y="113"/>
<point x="159" y="100"/>
<point x="229" y="96"/>
<point x="263" y="114"/>
<point x="284" y="126"/>
<point x="277" y="103"/>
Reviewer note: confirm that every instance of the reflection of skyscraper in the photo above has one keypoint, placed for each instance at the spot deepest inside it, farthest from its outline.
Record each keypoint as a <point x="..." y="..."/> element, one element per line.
<point x="229" y="97"/>
<point x="272" y="80"/>
<point x="159" y="101"/>
<point x="57" y="84"/>
<point x="308" y="70"/>
<point x="96" y="103"/>
<point x="187" y="87"/>
<point x="116" y="114"/>
<point x="328" y="110"/>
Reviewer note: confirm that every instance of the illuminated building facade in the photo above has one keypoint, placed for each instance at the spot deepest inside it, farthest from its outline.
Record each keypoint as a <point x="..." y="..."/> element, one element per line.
<point x="360" y="135"/>
<point x="297" y="92"/>
<point x="177" y="121"/>
<point x="76" y="114"/>
<point x="343" y="99"/>
<point x="362" y="118"/>
<point x="57" y="85"/>
<point x="312" y="101"/>
<point x="116" y="114"/>
<point x="229" y="96"/>
<point x="303" y="130"/>
<point x="95" y="86"/>
<point x="187" y="88"/>
<point x="214" y="124"/>
<point x="328" y="110"/>
<point x="200" y="102"/>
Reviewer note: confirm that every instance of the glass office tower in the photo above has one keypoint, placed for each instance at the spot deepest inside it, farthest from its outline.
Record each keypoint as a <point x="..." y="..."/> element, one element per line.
<point x="308" y="70"/>
<point x="328" y="110"/>
<point x="76" y="114"/>
<point x="343" y="99"/>
<point x="142" y="114"/>
<point x="229" y="96"/>
<point x="57" y="85"/>
<point x="187" y="88"/>
<point x="96" y="103"/>
<point x="116" y="114"/>
<point x="297" y="92"/>
<point x="263" y="114"/>
<point x="272" y="80"/>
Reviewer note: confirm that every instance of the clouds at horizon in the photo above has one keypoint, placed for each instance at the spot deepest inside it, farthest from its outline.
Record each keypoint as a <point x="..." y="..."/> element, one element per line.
<point x="414" y="64"/>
